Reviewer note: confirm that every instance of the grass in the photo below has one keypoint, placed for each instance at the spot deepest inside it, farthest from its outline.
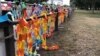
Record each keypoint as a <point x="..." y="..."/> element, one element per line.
<point x="89" y="13"/>
<point x="96" y="15"/>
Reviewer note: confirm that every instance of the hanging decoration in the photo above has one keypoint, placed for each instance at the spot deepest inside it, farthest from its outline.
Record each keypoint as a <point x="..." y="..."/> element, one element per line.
<point x="32" y="35"/>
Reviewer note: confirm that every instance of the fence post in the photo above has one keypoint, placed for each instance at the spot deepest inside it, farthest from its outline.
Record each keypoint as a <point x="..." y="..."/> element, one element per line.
<point x="56" y="21"/>
<point x="9" y="43"/>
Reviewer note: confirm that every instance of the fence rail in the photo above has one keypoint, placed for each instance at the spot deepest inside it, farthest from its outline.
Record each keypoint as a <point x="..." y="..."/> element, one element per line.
<point x="16" y="22"/>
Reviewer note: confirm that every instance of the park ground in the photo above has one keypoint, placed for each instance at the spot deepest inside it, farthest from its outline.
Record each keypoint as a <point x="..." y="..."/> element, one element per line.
<point x="80" y="36"/>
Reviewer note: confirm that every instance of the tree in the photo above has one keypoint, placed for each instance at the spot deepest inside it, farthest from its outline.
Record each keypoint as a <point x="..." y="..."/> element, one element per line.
<point x="88" y="4"/>
<point x="36" y="1"/>
<point x="93" y="5"/>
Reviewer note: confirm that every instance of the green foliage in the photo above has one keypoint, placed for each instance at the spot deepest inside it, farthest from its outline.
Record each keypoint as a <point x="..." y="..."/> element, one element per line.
<point x="85" y="4"/>
<point x="35" y="1"/>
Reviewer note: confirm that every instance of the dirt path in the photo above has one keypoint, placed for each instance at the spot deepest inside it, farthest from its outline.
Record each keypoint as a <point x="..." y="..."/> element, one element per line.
<point x="79" y="37"/>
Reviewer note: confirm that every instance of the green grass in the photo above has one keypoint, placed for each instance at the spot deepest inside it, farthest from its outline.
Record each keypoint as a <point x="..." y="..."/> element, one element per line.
<point x="96" y="15"/>
<point x="89" y="13"/>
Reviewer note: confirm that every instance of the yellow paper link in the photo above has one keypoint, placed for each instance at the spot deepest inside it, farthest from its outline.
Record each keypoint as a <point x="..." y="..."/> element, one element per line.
<point x="44" y="26"/>
<point x="22" y="30"/>
<point x="51" y="22"/>
<point x="36" y="28"/>
<point x="21" y="43"/>
<point x="20" y="48"/>
<point x="43" y="13"/>
<point x="44" y="43"/>
<point x="30" y="43"/>
<point x="25" y="29"/>
<point x="18" y="30"/>
<point x="60" y="18"/>
<point x="38" y="37"/>
<point x="33" y="16"/>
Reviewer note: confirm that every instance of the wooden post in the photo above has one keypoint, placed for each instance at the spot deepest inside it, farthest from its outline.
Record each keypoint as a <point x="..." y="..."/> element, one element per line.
<point x="56" y="21"/>
<point x="9" y="43"/>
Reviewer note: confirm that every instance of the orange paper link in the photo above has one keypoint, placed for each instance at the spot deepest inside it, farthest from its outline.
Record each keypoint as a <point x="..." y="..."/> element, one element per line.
<point x="23" y="22"/>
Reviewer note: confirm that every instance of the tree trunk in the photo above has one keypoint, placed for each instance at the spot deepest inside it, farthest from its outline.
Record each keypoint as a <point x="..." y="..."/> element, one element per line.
<point x="93" y="6"/>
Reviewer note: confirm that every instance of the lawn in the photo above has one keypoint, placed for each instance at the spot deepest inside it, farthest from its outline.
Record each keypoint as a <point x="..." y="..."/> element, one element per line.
<point x="89" y="13"/>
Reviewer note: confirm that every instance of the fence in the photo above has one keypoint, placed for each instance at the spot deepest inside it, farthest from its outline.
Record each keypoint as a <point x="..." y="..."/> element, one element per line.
<point x="33" y="33"/>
